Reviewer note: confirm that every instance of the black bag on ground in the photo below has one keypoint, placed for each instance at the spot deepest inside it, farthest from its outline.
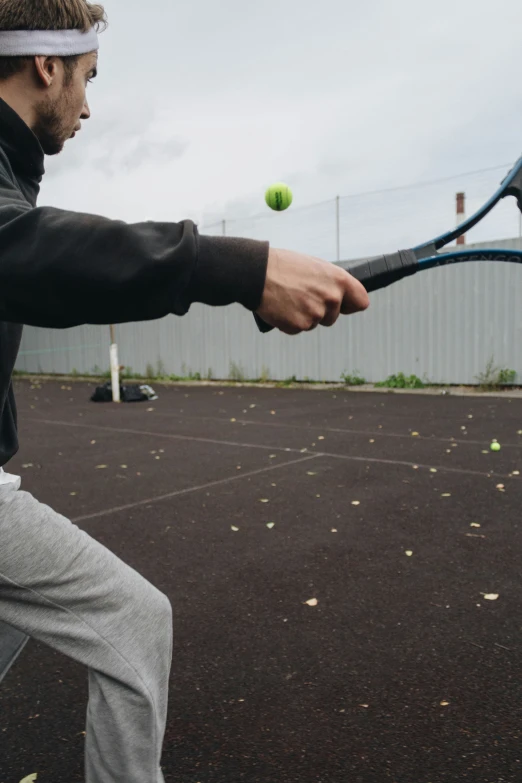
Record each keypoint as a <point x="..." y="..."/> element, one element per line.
<point x="132" y="393"/>
<point x="102" y="393"/>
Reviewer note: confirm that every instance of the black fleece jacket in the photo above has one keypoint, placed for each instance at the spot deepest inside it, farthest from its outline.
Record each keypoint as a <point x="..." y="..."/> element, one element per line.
<point x="60" y="269"/>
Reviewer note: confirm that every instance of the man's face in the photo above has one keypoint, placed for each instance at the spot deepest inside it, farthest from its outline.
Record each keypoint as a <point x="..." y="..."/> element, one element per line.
<point x="58" y="115"/>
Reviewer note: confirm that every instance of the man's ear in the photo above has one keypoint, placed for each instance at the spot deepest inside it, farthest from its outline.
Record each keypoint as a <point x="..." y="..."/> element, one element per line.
<point x="46" y="69"/>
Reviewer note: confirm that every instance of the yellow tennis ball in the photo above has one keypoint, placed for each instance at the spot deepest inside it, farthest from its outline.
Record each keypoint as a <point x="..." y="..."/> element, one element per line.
<point x="495" y="446"/>
<point x="279" y="196"/>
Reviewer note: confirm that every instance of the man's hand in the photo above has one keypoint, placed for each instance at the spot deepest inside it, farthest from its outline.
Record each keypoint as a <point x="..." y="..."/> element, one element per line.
<point x="302" y="292"/>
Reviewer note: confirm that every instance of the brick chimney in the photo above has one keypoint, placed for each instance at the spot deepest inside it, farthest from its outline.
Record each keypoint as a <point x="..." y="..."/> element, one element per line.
<point x="461" y="215"/>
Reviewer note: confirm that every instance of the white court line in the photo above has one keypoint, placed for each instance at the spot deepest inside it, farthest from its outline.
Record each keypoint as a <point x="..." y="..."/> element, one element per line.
<point x="280" y="425"/>
<point x="186" y="491"/>
<point x="235" y="444"/>
<point x="373" y="433"/>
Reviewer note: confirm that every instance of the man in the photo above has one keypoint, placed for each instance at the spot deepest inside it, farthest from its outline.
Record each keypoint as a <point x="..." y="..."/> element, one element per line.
<point x="61" y="269"/>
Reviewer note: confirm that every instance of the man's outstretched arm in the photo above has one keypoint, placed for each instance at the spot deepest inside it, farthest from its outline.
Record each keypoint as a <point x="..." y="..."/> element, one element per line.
<point x="60" y="269"/>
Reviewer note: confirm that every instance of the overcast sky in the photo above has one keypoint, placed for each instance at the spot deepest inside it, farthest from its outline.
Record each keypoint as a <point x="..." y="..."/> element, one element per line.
<point x="199" y="105"/>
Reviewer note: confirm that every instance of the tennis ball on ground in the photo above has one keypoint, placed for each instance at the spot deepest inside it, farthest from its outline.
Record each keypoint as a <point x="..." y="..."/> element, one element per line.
<point x="495" y="446"/>
<point x="278" y="196"/>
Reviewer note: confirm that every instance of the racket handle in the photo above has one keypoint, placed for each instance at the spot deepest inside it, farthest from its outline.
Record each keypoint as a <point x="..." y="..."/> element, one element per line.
<point x="261" y="325"/>
<point x="374" y="273"/>
<point x="382" y="271"/>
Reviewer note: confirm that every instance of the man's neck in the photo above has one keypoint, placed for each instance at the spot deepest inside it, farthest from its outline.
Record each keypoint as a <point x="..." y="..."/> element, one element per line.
<point x="14" y="92"/>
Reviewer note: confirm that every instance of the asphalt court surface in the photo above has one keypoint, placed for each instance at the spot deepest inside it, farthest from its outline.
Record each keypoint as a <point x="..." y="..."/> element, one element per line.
<point x="242" y="505"/>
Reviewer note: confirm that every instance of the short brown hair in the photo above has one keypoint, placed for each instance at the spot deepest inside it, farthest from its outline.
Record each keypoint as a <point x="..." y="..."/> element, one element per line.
<point x="47" y="15"/>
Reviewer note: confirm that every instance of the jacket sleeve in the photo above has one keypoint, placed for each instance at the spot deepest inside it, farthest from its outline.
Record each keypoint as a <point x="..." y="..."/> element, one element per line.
<point x="60" y="269"/>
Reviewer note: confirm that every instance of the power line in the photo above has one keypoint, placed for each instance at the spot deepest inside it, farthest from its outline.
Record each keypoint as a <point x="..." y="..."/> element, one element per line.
<point x="382" y="191"/>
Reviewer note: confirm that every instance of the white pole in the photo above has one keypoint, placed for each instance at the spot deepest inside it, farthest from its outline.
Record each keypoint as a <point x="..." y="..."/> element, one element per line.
<point x="338" y="228"/>
<point x="115" y="368"/>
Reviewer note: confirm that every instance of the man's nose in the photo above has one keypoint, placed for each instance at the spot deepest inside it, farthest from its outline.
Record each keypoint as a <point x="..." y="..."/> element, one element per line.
<point x="86" y="112"/>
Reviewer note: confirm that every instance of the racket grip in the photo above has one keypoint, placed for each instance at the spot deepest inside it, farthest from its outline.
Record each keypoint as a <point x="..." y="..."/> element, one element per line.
<point x="374" y="273"/>
<point x="381" y="271"/>
<point x="261" y="325"/>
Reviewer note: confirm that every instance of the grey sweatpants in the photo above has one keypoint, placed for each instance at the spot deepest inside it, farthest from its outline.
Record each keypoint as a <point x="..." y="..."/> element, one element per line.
<point x="62" y="587"/>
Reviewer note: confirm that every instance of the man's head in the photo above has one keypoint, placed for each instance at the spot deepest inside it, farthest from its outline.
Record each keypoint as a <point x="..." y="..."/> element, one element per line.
<point x="48" y="90"/>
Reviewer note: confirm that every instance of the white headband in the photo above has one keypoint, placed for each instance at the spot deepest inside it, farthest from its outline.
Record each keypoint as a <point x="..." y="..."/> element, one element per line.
<point x="53" y="43"/>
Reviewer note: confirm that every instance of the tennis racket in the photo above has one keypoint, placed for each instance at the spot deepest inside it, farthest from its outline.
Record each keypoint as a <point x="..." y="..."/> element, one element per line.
<point x="381" y="271"/>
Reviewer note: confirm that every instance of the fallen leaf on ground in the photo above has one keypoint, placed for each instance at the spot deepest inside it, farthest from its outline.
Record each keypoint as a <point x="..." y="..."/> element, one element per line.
<point x="235" y="529"/>
<point x="312" y="602"/>
<point x="100" y="467"/>
<point x="321" y="437"/>
<point x="264" y="500"/>
<point x="414" y="434"/>
<point x="30" y="778"/>
<point x="270" y="525"/>
<point x="446" y="495"/>
<point x="311" y="473"/>
<point x="444" y="703"/>
<point x="433" y="470"/>
<point x="28" y="465"/>
<point x="490" y="596"/>
<point x="334" y="530"/>
<point x="408" y="553"/>
<point x="475" y="524"/>
<point x="356" y="502"/>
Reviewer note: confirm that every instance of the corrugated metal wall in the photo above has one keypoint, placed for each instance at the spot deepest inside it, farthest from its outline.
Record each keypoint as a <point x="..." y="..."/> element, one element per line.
<point x="443" y="325"/>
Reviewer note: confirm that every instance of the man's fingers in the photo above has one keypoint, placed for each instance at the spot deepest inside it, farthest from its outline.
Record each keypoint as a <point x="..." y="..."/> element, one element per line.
<point x="332" y="314"/>
<point x="355" y="298"/>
